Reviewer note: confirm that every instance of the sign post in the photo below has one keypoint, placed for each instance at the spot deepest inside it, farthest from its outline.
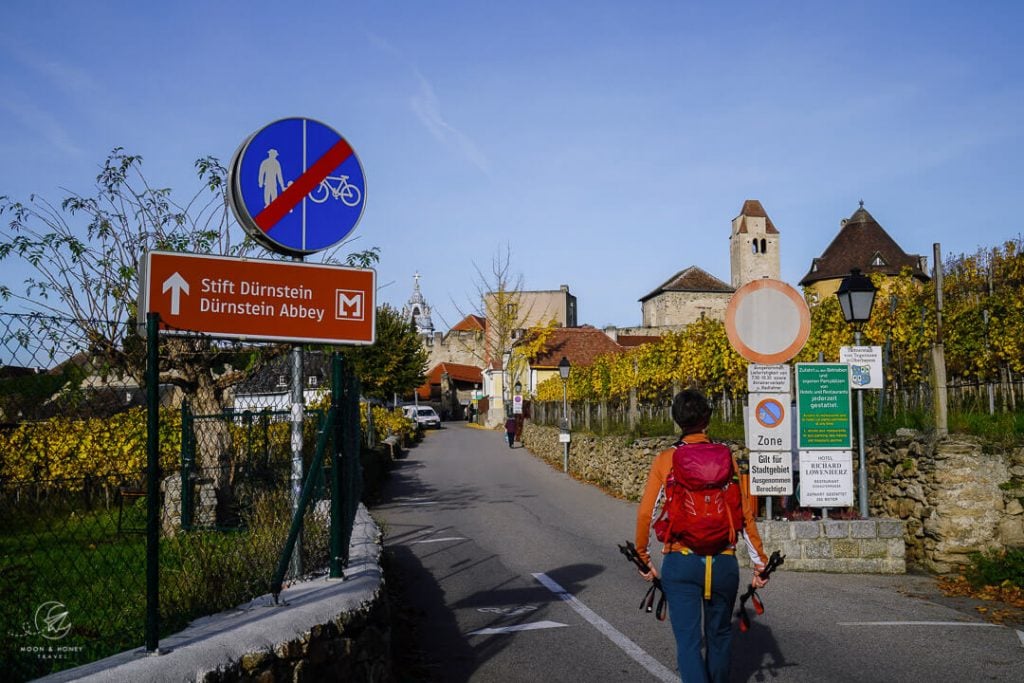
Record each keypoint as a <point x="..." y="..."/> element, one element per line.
<point x="768" y="322"/>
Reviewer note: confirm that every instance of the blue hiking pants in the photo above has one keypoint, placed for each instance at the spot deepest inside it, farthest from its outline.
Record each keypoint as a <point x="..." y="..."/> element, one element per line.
<point x="683" y="580"/>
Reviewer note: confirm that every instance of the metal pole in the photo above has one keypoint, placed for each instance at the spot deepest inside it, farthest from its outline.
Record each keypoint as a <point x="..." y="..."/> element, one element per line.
<point x="565" y="424"/>
<point x="297" y="474"/>
<point x="152" y="483"/>
<point x="863" y="475"/>
<point x="337" y="513"/>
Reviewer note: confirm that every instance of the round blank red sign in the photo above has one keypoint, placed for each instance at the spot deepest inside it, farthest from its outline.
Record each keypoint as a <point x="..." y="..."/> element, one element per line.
<point x="767" y="321"/>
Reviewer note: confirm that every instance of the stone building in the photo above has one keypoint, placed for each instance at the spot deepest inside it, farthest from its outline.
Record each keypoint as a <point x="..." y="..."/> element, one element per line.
<point x="684" y="298"/>
<point x="861" y="243"/>
<point x="693" y="293"/>
<point x="538" y="307"/>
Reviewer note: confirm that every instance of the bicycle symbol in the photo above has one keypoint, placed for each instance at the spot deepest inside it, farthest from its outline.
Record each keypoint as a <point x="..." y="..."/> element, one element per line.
<point x="348" y="193"/>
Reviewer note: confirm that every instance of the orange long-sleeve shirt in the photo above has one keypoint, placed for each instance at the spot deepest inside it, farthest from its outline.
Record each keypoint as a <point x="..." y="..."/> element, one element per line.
<point x="660" y="468"/>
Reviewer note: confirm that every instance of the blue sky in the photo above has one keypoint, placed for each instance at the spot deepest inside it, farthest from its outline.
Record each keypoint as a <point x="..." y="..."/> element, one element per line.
<point x="609" y="144"/>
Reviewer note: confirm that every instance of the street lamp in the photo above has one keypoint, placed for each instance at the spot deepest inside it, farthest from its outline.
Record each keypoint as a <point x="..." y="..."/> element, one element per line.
<point x="563" y="372"/>
<point x="505" y="358"/>
<point x="856" y="297"/>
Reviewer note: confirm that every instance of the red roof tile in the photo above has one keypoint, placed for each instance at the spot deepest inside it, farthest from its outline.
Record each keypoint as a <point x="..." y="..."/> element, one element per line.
<point x="581" y="345"/>
<point x="471" y="323"/>
<point x="753" y="209"/>
<point x="456" y="372"/>
<point x="632" y="340"/>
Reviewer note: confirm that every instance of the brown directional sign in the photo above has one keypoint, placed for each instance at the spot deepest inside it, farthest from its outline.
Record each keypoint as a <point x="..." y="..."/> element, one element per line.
<point x="258" y="300"/>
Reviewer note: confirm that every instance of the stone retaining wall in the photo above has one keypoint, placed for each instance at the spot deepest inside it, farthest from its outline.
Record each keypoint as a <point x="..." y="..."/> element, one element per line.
<point x="950" y="498"/>
<point x="958" y="496"/>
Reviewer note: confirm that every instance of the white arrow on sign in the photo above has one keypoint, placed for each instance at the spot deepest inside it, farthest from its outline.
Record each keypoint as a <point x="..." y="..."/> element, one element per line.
<point x="177" y="284"/>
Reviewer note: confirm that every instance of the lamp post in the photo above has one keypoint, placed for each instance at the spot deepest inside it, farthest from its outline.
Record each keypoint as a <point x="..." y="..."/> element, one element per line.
<point x="505" y="358"/>
<point x="856" y="297"/>
<point x="563" y="372"/>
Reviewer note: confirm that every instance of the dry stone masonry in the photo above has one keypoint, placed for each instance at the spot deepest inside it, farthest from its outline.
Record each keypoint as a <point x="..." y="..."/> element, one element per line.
<point x="932" y="503"/>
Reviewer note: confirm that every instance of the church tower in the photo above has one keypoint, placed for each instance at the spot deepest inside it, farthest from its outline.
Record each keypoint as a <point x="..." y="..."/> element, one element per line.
<point x="753" y="245"/>
<point x="417" y="312"/>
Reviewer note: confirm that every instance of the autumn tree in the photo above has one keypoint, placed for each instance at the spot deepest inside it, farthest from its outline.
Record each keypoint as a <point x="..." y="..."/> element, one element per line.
<point x="83" y="253"/>
<point x="395" y="363"/>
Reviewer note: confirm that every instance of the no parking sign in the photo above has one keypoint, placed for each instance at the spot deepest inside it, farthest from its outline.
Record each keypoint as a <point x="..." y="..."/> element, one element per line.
<point x="297" y="186"/>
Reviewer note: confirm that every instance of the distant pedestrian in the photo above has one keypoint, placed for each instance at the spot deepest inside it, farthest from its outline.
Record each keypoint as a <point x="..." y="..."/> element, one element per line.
<point x="510" y="431"/>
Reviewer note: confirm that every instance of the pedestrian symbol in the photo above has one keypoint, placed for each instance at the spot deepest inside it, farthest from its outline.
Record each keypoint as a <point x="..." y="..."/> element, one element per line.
<point x="769" y="413"/>
<point x="297" y="186"/>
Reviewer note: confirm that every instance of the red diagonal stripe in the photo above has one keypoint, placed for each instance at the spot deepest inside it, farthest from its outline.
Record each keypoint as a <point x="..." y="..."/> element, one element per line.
<point x="293" y="194"/>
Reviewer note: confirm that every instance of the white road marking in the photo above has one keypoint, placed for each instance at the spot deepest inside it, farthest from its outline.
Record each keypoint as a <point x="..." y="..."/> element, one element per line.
<point x="532" y="626"/>
<point x="1020" y="635"/>
<point x="412" y="503"/>
<point x="440" y="540"/>
<point x="915" y="623"/>
<point x="656" y="668"/>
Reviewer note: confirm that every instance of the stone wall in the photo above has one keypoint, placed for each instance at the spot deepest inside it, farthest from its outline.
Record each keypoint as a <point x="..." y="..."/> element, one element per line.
<point x="957" y="496"/>
<point x="950" y="498"/>
<point x="682" y="308"/>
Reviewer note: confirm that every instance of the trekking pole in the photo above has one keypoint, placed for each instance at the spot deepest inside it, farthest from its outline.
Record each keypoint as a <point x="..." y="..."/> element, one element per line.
<point x="647" y="603"/>
<point x="774" y="562"/>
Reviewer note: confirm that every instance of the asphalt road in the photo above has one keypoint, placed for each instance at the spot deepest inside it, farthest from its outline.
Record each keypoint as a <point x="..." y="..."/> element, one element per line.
<point x="510" y="571"/>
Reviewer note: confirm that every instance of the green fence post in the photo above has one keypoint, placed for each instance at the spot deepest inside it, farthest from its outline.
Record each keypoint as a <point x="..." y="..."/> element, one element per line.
<point x="188" y="462"/>
<point x="337" y="518"/>
<point x="152" y="482"/>
<point x="310" y="484"/>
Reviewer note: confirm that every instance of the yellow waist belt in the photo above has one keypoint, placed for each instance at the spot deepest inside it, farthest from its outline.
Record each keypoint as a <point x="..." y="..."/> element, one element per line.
<point x="707" y="567"/>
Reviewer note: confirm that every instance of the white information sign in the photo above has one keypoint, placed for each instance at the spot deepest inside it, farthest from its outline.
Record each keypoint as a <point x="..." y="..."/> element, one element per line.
<point x="564" y="437"/>
<point x="517" y="404"/>
<point x="826" y="479"/>
<point x="771" y="474"/>
<point x="865" y="366"/>
<point x="768" y="379"/>
<point x="768" y="427"/>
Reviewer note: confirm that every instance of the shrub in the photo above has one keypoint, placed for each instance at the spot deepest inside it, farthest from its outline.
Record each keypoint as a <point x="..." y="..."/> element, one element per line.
<point x="995" y="568"/>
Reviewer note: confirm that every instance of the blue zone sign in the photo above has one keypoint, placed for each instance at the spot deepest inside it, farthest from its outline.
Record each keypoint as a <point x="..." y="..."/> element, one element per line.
<point x="297" y="186"/>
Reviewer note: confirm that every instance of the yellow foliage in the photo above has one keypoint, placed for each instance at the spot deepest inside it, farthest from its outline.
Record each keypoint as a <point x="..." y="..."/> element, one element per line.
<point x="70" y="450"/>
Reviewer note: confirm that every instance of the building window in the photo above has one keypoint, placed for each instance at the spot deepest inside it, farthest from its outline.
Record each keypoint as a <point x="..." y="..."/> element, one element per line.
<point x="764" y="246"/>
<point x="753" y="246"/>
<point x="512" y="309"/>
<point x="314" y="380"/>
<point x="878" y="260"/>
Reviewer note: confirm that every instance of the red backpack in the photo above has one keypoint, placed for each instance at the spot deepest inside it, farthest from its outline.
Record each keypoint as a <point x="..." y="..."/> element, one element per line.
<point x="703" y="508"/>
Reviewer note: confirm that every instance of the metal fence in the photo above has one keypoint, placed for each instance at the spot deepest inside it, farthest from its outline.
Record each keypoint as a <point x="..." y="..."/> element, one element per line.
<point x="108" y="543"/>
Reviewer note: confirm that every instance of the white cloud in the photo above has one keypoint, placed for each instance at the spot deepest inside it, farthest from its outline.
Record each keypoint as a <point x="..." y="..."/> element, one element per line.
<point x="427" y="107"/>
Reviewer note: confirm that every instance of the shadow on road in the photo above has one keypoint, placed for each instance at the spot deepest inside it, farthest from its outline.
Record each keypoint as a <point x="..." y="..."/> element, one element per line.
<point x="756" y="655"/>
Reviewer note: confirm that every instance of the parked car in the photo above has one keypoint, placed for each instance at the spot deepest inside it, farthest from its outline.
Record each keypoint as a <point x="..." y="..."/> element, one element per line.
<point x="424" y="416"/>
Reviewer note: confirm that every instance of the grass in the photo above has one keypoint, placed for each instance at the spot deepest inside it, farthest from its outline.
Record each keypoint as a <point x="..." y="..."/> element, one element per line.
<point x="79" y="559"/>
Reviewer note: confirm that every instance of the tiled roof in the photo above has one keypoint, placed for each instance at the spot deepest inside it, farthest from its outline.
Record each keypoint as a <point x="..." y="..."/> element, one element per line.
<point x="631" y="340"/>
<point x="581" y="345"/>
<point x="862" y="243"/>
<point x="692" y="279"/>
<point x="752" y="208"/>
<point x="471" y="323"/>
<point x="457" y="372"/>
<point x="267" y="378"/>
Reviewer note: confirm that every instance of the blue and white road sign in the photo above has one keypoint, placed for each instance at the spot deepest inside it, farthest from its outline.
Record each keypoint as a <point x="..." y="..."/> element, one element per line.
<point x="297" y="186"/>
